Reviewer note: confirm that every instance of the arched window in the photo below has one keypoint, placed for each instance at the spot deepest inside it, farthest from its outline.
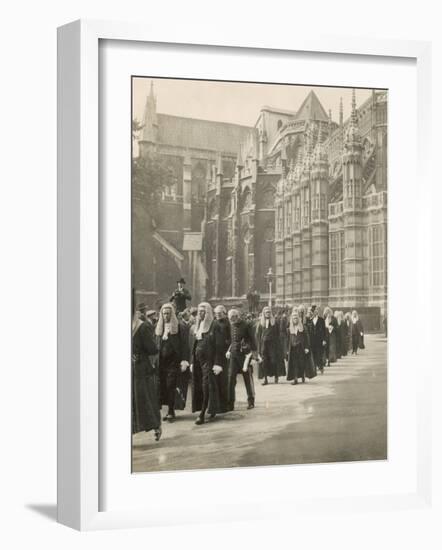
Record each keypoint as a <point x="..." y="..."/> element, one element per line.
<point x="198" y="181"/>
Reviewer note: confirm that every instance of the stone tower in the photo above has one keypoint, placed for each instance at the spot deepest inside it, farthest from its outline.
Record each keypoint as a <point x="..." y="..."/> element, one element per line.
<point x="150" y="124"/>
<point x="352" y="209"/>
<point x="319" y="220"/>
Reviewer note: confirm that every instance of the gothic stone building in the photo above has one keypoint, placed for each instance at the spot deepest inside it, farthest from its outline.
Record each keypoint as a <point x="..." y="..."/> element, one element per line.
<point x="297" y="193"/>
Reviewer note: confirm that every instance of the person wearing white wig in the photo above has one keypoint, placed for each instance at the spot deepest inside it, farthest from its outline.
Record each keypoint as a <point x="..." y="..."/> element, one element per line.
<point x="299" y="349"/>
<point x="357" y="333"/>
<point x="269" y="347"/>
<point x="203" y="387"/>
<point x="173" y="359"/>
<point x="331" y="333"/>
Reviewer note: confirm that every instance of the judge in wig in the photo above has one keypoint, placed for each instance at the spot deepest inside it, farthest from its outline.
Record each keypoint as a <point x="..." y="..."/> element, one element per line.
<point x="269" y="347"/>
<point x="173" y="361"/>
<point x="331" y="335"/>
<point x="357" y="333"/>
<point x="299" y="349"/>
<point x="205" y="373"/>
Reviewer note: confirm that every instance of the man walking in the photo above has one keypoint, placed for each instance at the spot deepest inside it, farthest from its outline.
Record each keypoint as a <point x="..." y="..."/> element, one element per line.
<point x="242" y="344"/>
<point x="318" y="338"/>
<point x="173" y="361"/>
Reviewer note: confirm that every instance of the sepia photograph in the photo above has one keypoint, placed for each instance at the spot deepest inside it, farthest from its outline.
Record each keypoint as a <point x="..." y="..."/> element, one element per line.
<point x="259" y="274"/>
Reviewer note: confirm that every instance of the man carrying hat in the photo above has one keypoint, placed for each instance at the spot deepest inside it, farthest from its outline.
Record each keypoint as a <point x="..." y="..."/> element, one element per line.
<point x="180" y="296"/>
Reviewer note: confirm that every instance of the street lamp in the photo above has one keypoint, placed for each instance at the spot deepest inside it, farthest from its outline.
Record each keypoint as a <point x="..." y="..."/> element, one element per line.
<point x="269" y="278"/>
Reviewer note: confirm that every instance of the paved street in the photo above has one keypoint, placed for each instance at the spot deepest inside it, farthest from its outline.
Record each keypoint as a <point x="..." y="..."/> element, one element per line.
<point x="339" y="416"/>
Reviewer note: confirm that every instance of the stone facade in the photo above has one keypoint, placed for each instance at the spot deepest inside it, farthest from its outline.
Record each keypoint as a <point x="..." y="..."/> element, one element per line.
<point x="331" y="204"/>
<point x="297" y="193"/>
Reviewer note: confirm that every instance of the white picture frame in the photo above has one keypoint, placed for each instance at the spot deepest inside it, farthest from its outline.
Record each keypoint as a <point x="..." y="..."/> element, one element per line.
<point x="79" y="390"/>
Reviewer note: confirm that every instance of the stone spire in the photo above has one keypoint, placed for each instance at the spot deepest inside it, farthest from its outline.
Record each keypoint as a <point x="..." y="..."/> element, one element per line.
<point x="150" y="120"/>
<point x="353" y="138"/>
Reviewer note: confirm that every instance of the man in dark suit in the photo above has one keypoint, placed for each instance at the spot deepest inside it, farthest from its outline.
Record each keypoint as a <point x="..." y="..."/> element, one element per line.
<point x="180" y="296"/>
<point x="242" y="343"/>
<point x="316" y="326"/>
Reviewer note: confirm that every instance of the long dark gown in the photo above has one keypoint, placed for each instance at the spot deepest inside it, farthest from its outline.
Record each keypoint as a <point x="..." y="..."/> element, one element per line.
<point x="357" y="338"/>
<point x="331" y="339"/>
<point x="298" y="361"/>
<point x="342" y="337"/>
<point x="210" y="390"/>
<point x="317" y="336"/>
<point x="146" y="413"/>
<point x="270" y="348"/>
<point x="174" y="383"/>
<point x="221" y="343"/>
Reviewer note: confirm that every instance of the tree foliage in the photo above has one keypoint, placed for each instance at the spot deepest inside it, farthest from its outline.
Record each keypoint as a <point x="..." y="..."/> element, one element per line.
<point x="150" y="177"/>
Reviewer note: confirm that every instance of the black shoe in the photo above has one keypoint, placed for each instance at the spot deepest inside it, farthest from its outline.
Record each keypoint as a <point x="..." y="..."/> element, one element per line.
<point x="250" y="406"/>
<point x="170" y="417"/>
<point x="199" y="420"/>
<point x="264" y="383"/>
<point x="276" y="380"/>
<point x="158" y="433"/>
<point x="294" y="383"/>
<point x="212" y="417"/>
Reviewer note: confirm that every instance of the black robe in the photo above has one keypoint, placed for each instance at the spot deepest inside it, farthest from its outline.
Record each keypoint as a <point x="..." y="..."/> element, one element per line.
<point x="145" y="403"/>
<point x="331" y="340"/>
<point x="221" y="343"/>
<point x="271" y="351"/>
<point x="357" y="335"/>
<point x="342" y="339"/>
<point x="298" y="361"/>
<point x="347" y="334"/>
<point x="170" y="370"/>
<point x="317" y="336"/>
<point x="207" y="352"/>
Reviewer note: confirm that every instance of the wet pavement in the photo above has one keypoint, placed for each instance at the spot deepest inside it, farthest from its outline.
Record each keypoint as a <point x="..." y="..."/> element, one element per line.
<point x="338" y="416"/>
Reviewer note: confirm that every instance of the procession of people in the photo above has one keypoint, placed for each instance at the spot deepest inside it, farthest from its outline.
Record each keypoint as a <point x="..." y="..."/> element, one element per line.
<point x="207" y="348"/>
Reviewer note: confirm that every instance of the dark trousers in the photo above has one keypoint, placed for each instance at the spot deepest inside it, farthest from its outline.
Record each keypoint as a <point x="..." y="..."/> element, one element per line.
<point x="355" y="342"/>
<point x="205" y="369"/>
<point x="168" y="383"/>
<point x="318" y="355"/>
<point x="235" y="367"/>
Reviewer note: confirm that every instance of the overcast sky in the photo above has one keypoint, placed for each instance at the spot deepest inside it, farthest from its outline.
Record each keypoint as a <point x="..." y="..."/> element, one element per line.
<point x="234" y="102"/>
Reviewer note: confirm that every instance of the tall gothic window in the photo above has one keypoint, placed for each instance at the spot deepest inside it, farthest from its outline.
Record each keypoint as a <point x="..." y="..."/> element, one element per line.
<point x="334" y="260"/>
<point x="376" y="236"/>
<point x="280" y="223"/>
<point x="337" y="256"/>
<point x="342" y="258"/>
<point x="198" y="181"/>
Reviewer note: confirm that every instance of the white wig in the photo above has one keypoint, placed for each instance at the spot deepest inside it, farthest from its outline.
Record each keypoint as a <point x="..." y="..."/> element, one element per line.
<point x="203" y="326"/>
<point x="300" y="324"/>
<point x="232" y="311"/>
<point x="159" y="329"/>
<point x="262" y="319"/>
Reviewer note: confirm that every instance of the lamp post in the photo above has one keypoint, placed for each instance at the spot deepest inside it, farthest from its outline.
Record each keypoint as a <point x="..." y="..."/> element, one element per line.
<point x="269" y="278"/>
